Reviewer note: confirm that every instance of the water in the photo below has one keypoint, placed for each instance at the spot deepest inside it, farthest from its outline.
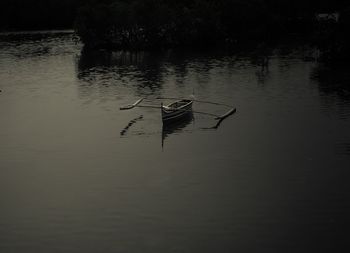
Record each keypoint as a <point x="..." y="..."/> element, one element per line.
<point x="79" y="175"/>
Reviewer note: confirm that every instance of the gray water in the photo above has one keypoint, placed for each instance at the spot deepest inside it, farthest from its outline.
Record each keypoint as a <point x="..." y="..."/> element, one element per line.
<point x="79" y="175"/>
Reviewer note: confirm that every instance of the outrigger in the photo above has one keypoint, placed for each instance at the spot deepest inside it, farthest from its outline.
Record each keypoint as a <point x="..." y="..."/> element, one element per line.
<point x="180" y="108"/>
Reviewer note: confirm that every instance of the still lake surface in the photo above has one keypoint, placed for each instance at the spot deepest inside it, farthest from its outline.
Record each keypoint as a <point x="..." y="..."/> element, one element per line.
<point x="79" y="175"/>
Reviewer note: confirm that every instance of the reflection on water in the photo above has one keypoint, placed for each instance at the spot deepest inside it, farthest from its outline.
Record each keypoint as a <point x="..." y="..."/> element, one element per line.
<point x="142" y="66"/>
<point x="343" y="148"/>
<point x="334" y="89"/>
<point x="140" y="70"/>
<point x="149" y="70"/>
<point x="176" y="127"/>
<point x="132" y="122"/>
<point x="79" y="175"/>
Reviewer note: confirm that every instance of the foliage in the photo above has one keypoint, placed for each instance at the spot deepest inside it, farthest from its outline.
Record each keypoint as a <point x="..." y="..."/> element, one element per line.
<point x="164" y="23"/>
<point x="334" y="39"/>
<point x="37" y="14"/>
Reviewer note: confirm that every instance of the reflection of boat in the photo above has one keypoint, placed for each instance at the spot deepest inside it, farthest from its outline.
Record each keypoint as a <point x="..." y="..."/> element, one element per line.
<point x="176" y="110"/>
<point x="171" y="127"/>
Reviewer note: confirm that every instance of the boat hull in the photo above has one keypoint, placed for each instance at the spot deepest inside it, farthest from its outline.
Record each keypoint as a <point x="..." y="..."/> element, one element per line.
<point x="176" y="111"/>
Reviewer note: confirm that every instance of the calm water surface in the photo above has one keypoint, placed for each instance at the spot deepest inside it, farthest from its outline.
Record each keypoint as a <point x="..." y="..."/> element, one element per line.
<point x="79" y="175"/>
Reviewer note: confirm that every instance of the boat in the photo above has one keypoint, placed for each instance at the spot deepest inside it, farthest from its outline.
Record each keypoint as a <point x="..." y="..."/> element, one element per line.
<point x="176" y="110"/>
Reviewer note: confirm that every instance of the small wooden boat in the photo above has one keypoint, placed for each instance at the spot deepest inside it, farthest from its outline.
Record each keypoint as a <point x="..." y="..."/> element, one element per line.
<point x="176" y="110"/>
<point x="180" y="108"/>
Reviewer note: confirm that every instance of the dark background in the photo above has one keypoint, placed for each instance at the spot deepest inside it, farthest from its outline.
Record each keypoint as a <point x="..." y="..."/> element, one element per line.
<point x="57" y="14"/>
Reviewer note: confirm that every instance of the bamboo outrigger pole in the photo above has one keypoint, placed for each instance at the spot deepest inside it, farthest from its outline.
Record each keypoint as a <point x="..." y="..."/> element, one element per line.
<point x="230" y="112"/>
<point x="195" y="100"/>
<point x="217" y="117"/>
<point x="127" y="107"/>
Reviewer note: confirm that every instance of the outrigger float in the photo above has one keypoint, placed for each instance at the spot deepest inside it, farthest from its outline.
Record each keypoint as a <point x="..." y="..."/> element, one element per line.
<point x="180" y="108"/>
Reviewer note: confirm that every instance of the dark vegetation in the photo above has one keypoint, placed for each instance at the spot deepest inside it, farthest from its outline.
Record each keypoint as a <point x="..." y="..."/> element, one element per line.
<point x="145" y="24"/>
<point x="333" y="39"/>
<point x="37" y="14"/>
<point x="170" y="23"/>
